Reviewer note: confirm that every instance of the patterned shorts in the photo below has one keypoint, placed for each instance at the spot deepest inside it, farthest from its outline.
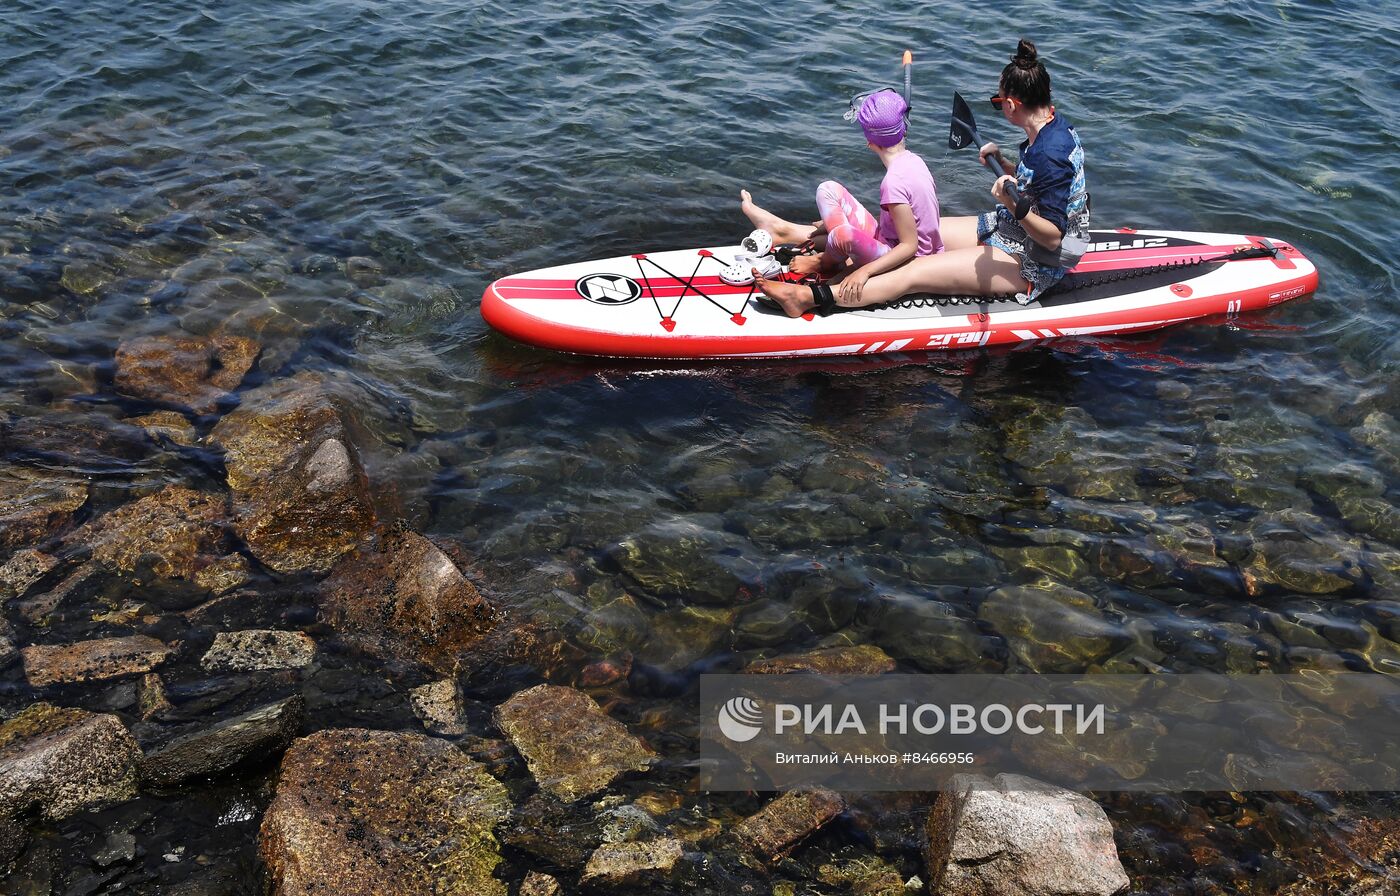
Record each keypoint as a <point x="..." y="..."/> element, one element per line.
<point x="1001" y="230"/>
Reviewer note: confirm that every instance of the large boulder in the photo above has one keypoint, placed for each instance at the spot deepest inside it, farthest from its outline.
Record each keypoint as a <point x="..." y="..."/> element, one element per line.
<point x="399" y="596"/>
<point x="1014" y="836"/>
<point x="193" y="371"/>
<point x="175" y="533"/>
<point x="300" y="495"/>
<point x="65" y="760"/>
<point x="364" y="813"/>
<point x="571" y="746"/>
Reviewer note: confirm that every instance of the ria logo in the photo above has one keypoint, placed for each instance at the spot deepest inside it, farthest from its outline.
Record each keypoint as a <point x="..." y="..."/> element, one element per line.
<point x="741" y="719"/>
<point x="609" y="289"/>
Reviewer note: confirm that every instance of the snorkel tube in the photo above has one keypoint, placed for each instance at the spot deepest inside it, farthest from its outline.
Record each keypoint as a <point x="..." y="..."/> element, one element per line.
<point x="908" y="90"/>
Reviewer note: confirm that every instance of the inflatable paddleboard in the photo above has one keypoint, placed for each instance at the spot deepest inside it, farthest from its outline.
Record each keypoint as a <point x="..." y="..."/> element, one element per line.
<point x="674" y="304"/>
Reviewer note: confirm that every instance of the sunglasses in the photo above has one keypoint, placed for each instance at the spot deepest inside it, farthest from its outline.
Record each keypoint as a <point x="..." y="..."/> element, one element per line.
<point x="997" y="101"/>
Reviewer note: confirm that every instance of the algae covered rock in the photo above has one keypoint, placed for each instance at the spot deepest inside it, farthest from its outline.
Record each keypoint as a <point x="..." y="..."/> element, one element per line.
<point x="65" y="760"/>
<point x="400" y="596"/>
<point x="1013" y="836"/>
<point x="193" y="371"/>
<point x="175" y="533"/>
<point x="438" y="705"/>
<point x="366" y="813"/>
<point x="95" y="660"/>
<point x="783" y="823"/>
<point x="300" y="495"/>
<point x="571" y="746"/>
<point x="632" y="863"/>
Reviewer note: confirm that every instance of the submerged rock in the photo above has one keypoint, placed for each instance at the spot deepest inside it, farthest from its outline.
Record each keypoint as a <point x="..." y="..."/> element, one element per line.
<point x="95" y="660"/>
<point x="225" y="574"/>
<point x="865" y="876"/>
<point x="70" y="591"/>
<point x="852" y="659"/>
<point x="35" y="504"/>
<point x="686" y="558"/>
<point x="632" y="863"/>
<point x="170" y="425"/>
<point x="537" y="884"/>
<point x="251" y="737"/>
<point x="571" y="746"/>
<point x="1013" y="836"/>
<point x="300" y="495"/>
<point x="1358" y="860"/>
<point x="366" y="813"/>
<point x="76" y="439"/>
<point x="787" y="820"/>
<point x="1296" y="551"/>
<point x="193" y="371"/>
<point x="174" y="533"/>
<point x="562" y="834"/>
<point x="931" y="634"/>
<point x="1051" y="628"/>
<point x="400" y="596"/>
<point x="23" y="570"/>
<point x="64" y="760"/>
<point x="258" y="650"/>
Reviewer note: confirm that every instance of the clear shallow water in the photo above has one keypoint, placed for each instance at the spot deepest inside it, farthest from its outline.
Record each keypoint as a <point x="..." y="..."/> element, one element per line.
<point x="168" y="167"/>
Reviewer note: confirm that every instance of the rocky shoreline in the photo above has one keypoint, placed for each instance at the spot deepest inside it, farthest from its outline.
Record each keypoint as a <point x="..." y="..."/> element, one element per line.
<point x="550" y="788"/>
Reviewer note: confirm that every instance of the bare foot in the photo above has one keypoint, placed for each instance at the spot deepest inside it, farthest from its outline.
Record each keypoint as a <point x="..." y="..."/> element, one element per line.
<point x="806" y="264"/>
<point x="795" y="298"/>
<point x="780" y="230"/>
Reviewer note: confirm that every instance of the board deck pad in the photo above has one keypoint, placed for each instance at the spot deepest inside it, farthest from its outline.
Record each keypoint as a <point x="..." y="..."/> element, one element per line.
<point x="673" y="304"/>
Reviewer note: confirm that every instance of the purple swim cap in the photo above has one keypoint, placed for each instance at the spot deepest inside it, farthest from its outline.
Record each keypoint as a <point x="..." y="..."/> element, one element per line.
<point x="881" y="116"/>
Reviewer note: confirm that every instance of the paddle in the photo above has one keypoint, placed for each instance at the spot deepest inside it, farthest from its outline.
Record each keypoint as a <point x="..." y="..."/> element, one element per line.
<point x="963" y="132"/>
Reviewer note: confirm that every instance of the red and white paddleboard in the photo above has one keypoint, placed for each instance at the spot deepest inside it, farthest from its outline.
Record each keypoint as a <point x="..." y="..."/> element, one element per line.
<point x="674" y="305"/>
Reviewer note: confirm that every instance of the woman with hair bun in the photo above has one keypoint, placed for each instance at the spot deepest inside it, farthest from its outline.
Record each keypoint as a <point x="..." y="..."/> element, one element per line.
<point x="1020" y="247"/>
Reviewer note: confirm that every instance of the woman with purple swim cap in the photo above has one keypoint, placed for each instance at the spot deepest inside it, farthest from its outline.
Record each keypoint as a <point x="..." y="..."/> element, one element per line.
<point x="854" y="245"/>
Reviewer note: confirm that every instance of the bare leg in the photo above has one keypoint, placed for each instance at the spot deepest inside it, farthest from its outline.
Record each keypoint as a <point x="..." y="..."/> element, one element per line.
<point x="978" y="271"/>
<point x="958" y="233"/>
<point x="781" y="230"/>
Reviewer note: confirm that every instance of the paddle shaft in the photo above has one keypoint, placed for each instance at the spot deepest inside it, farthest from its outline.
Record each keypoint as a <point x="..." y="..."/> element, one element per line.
<point x="966" y="126"/>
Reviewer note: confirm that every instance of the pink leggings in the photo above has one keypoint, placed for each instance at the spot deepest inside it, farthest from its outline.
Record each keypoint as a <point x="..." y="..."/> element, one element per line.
<point x="850" y="229"/>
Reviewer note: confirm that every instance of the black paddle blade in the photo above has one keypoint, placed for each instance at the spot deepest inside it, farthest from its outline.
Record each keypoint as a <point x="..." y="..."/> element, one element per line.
<point x="963" y="131"/>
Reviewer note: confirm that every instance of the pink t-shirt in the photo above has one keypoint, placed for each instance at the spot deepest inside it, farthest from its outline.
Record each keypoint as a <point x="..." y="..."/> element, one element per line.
<point x="908" y="181"/>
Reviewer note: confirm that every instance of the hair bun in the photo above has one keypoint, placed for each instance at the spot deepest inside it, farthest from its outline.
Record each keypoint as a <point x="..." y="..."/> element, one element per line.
<point x="1025" y="57"/>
